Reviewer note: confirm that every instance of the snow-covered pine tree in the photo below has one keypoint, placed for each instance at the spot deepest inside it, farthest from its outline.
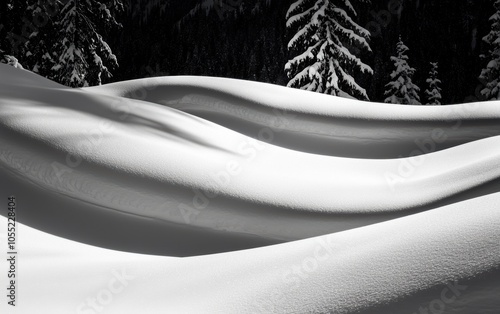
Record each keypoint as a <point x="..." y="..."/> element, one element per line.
<point x="490" y="75"/>
<point x="39" y="56"/>
<point x="433" y="93"/>
<point x="401" y="90"/>
<point x="325" y="45"/>
<point x="81" y="54"/>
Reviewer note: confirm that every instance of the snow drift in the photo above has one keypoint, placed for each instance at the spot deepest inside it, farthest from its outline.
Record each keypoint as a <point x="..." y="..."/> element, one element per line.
<point x="385" y="208"/>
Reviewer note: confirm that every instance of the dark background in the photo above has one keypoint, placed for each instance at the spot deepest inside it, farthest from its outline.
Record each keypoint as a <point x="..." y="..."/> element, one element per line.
<point x="252" y="45"/>
<point x="247" y="39"/>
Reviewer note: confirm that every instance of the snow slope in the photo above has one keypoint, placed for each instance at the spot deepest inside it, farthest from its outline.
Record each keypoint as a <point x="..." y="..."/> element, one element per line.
<point x="315" y="123"/>
<point x="392" y="267"/>
<point x="188" y="166"/>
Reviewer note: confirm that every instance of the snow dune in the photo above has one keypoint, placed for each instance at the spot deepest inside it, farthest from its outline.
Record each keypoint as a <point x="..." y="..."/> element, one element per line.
<point x="381" y="206"/>
<point x="316" y="123"/>
<point x="446" y="259"/>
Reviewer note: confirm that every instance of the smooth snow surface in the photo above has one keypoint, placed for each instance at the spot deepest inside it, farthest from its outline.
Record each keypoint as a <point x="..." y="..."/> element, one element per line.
<point x="285" y="201"/>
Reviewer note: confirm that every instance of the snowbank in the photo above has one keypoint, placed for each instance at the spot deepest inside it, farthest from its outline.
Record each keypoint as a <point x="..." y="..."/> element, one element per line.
<point x="316" y="123"/>
<point x="446" y="259"/>
<point x="393" y="202"/>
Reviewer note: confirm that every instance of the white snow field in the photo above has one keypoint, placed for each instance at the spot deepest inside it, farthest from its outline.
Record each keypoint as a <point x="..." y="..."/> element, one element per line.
<point x="279" y="200"/>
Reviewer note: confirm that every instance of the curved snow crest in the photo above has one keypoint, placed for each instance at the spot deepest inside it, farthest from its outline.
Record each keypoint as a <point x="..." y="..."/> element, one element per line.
<point x="131" y="160"/>
<point x="316" y="123"/>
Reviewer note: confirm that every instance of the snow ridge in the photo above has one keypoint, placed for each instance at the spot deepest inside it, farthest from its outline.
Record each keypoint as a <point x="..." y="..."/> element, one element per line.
<point x="200" y="166"/>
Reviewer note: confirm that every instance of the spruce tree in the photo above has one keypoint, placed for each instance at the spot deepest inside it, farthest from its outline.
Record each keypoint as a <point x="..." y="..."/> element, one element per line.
<point x="401" y="90"/>
<point x="82" y="55"/>
<point x="40" y="57"/>
<point x="61" y="40"/>
<point x="490" y="75"/>
<point x="325" y="43"/>
<point x="433" y="93"/>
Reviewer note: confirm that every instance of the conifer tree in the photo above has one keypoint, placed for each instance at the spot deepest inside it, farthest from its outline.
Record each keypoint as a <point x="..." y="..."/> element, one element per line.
<point x="490" y="75"/>
<point x="325" y="43"/>
<point x="40" y="57"/>
<point x="401" y="90"/>
<point x="433" y="93"/>
<point x="82" y="55"/>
